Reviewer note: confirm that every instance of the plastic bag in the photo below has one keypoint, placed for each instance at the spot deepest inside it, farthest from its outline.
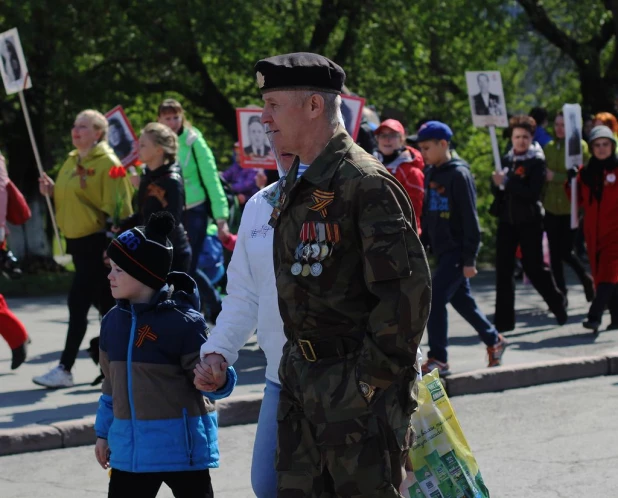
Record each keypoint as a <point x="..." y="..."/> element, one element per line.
<point x="440" y="463"/>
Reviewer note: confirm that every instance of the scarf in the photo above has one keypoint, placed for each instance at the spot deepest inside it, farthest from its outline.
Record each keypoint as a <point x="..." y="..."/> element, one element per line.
<point x="593" y="175"/>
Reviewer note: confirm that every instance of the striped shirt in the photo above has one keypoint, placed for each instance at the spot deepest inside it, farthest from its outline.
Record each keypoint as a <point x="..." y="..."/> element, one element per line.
<point x="301" y="169"/>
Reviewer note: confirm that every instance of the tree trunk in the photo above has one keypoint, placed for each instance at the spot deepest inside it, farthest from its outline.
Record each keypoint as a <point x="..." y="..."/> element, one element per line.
<point x="597" y="92"/>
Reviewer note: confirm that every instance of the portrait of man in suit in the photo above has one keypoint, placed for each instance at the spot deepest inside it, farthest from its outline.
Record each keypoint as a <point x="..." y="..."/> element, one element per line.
<point x="575" y="139"/>
<point x="485" y="102"/>
<point x="258" y="142"/>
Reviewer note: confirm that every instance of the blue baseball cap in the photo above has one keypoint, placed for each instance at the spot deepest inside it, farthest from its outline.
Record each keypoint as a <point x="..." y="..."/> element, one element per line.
<point x="434" y="130"/>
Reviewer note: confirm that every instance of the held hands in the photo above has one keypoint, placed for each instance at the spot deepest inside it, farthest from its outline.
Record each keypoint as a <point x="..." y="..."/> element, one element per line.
<point x="101" y="451"/>
<point x="211" y="373"/>
<point x="46" y="185"/>
<point x="470" y="271"/>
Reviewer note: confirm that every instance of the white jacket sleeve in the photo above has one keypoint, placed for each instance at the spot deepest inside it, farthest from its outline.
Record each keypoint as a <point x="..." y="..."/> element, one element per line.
<point x="238" y="319"/>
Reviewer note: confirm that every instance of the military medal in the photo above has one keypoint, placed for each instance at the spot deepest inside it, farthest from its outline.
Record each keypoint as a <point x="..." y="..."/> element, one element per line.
<point x="366" y="390"/>
<point x="297" y="268"/>
<point x="306" y="270"/>
<point x="316" y="269"/>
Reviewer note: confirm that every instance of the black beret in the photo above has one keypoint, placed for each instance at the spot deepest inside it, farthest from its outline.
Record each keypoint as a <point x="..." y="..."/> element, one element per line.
<point x="299" y="71"/>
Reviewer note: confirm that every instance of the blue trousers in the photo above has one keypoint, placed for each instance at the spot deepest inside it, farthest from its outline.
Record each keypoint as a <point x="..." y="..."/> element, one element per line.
<point x="263" y="473"/>
<point x="450" y="286"/>
<point x="196" y="222"/>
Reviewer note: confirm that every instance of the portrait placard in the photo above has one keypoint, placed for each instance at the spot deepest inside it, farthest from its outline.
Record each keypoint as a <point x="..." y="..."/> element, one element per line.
<point x="352" y="111"/>
<point x="121" y="136"/>
<point x="13" y="67"/>
<point x="486" y="98"/>
<point x="255" y="150"/>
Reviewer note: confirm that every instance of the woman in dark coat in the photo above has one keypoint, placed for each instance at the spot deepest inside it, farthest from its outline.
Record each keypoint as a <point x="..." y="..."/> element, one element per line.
<point x="520" y="212"/>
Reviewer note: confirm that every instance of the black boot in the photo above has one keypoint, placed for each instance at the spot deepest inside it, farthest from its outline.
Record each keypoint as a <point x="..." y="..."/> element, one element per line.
<point x="19" y="355"/>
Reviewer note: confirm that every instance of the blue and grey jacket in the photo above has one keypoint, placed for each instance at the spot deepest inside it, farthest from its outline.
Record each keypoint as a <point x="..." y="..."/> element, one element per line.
<point x="153" y="417"/>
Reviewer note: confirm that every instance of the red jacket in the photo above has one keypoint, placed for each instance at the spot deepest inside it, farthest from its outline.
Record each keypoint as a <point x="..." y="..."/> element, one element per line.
<point x="601" y="227"/>
<point x="408" y="169"/>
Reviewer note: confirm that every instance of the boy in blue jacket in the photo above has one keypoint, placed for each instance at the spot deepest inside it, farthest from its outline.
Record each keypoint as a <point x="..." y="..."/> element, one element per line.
<point x="451" y="230"/>
<point x="152" y="424"/>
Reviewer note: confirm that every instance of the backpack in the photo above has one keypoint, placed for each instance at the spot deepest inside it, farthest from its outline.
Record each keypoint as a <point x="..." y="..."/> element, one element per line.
<point x="17" y="209"/>
<point x="233" y="205"/>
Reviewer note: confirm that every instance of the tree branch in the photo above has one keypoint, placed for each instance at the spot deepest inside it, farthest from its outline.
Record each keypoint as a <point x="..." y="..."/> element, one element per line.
<point x="356" y="15"/>
<point x="330" y="12"/>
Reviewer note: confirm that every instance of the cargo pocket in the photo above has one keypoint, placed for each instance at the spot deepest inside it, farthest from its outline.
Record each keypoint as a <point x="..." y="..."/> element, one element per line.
<point x="385" y="250"/>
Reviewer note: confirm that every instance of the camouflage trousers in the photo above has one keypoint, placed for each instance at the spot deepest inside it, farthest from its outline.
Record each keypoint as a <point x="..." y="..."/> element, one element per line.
<point x="332" y="440"/>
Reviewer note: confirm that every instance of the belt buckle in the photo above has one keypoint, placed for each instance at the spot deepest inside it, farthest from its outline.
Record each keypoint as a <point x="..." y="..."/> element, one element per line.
<point x="302" y="342"/>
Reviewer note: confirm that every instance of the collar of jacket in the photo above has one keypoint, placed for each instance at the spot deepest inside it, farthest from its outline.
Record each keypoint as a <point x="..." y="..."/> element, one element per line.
<point x="179" y="290"/>
<point x="535" y="151"/>
<point x="100" y="149"/>
<point x="323" y="168"/>
<point x="163" y="170"/>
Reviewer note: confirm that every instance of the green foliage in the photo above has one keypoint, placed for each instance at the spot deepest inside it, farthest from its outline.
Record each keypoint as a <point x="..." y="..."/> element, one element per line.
<point x="402" y="56"/>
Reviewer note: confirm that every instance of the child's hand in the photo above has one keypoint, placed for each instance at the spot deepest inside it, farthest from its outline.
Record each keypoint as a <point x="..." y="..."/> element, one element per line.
<point x="101" y="451"/>
<point x="211" y="373"/>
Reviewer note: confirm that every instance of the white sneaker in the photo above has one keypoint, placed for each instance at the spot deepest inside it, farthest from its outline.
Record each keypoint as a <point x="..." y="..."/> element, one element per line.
<point x="56" y="377"/>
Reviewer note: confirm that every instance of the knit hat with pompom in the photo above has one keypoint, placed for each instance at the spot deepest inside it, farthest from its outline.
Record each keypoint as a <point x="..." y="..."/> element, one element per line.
<point x="146" y="253"/>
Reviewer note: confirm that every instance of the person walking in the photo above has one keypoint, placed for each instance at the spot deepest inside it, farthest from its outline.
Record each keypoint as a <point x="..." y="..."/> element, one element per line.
<point x="205" y="197"/>
<point x="86" y="199"/>
<point x="597" y="192"/>
<point x="451" y="230"/>
<point x="403" y="162"/>
<point x="152" y="425"/>
<point x="161" y="189"/>
<point x="557" y="221"/>
<point x="517" y="204"/>
<point x="354" y="294"/>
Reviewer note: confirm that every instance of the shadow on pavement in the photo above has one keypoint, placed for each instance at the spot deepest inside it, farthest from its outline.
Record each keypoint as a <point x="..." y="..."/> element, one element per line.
<point x="51" y="415"/>
<point x="22" y="398"/>
<point x="559" y="342"/>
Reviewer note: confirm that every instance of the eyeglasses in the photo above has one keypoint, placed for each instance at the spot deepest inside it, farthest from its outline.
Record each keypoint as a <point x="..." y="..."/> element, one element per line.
<point x="387" y="136"/>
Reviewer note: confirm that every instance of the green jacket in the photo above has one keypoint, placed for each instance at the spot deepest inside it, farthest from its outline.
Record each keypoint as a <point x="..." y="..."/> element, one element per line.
<point x="375" y="285"/>
<point x="192" y="146"/>
<point x="554" y="196"/>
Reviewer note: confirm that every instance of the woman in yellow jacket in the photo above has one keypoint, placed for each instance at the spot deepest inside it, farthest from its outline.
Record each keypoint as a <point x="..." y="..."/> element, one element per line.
<point x="87" y="197"/>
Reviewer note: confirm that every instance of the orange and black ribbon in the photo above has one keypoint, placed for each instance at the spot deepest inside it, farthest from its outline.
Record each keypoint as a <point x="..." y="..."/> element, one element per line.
<point x="321" y="201"/>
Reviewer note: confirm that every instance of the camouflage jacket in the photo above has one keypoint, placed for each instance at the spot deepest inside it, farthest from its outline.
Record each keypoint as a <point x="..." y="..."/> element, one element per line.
<point x="374" y="285"/>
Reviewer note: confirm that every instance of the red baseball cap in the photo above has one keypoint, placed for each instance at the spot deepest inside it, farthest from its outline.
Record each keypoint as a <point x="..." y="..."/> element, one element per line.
<point x="392" y="124"/>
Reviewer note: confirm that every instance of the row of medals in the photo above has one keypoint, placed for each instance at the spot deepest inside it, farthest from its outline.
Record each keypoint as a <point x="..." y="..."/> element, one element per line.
<point x="317" y="243"/>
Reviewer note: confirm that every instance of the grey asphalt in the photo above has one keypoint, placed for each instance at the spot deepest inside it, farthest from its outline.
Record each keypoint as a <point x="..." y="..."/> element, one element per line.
<point x="536" y="339"/>
<point x="551" y="441"/>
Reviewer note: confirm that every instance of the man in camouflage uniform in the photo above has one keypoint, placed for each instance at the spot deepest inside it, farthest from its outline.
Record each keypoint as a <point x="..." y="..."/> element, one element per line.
<point x="354" y="295"/>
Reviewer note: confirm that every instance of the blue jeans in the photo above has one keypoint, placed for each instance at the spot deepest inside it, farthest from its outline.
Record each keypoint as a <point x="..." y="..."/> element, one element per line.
<point x="450" y="286"/>
<point x="196" y="223"/>
<point x="263" y="473"/>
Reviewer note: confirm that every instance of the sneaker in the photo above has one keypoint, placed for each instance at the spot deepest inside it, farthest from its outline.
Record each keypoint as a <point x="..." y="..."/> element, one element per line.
<point x="432" y="364"/>
<point x="56" y="377"/>
<point x="495" y="352"/>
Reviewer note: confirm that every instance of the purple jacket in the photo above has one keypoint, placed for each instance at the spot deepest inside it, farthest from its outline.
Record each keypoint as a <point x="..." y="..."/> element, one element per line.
<point x="242" y="180"/>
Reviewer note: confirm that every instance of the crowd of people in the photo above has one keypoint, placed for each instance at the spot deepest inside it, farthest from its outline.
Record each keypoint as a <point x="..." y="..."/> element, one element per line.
<point x="329" y="265"/>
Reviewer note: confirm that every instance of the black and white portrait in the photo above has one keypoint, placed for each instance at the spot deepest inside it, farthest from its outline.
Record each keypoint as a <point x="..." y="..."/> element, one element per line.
<point x="352" y="113"/>
<point x="486" y="98"/>
<point x="12" y="64"/>
<point x="254" y="144"/>
<point x="258" y="142"/>
<point x="121" y="136"/>
<point x="573" y="134"/>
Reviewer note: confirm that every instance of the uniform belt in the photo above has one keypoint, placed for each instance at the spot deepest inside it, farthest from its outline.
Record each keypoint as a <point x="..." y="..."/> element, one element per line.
<point x="333" y="347"/>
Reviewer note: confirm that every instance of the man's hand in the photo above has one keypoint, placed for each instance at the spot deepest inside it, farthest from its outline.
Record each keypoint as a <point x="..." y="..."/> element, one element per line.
<point x="101" y="451"/>
<point x="211" y="373"/>
<point x="223" y="231"/>
<point x="470" y="271"/>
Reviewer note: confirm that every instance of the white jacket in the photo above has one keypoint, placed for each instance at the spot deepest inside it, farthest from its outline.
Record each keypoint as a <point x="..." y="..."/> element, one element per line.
<point x="252" y="293"/>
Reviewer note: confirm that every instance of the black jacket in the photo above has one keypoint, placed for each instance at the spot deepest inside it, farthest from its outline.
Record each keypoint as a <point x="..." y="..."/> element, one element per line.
<point x="520" y="201"/>
<point x="161" y="190"/>
<point x="450" y="221"/>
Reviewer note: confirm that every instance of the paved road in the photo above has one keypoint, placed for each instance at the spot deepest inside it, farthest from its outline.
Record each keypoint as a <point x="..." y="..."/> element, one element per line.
<point x="552" y="441"/>
<point x="22" y="403"/>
